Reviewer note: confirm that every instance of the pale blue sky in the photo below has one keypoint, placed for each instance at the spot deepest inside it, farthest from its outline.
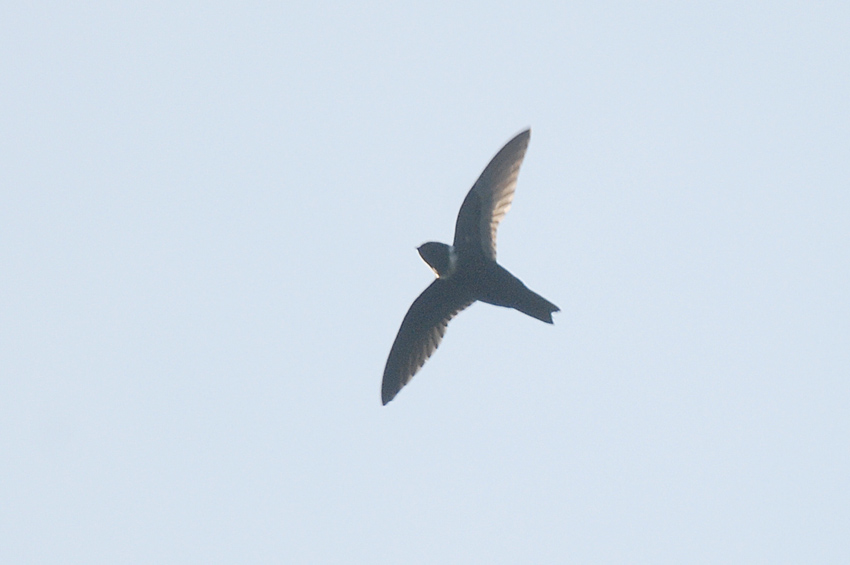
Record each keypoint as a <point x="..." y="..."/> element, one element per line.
<point x="208" y="223"/>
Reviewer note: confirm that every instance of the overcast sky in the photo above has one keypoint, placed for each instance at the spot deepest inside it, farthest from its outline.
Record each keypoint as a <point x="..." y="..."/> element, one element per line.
<point x="208" y="222"/>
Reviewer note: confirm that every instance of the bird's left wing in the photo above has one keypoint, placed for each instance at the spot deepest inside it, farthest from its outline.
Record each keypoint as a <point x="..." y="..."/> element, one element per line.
<point x="489" y="199"/>
<point x="421" y="332"/>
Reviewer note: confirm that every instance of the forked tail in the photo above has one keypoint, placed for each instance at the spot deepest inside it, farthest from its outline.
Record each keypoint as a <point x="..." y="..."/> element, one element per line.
<point x="504" y="289"/>
<point x="531" y="303"/>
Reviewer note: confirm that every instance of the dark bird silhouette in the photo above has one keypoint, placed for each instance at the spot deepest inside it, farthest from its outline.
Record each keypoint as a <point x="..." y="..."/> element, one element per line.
<point x="466" y="271"/>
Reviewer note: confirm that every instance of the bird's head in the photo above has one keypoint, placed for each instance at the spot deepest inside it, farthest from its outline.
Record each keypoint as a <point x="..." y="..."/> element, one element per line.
<point x="440" y="257"/>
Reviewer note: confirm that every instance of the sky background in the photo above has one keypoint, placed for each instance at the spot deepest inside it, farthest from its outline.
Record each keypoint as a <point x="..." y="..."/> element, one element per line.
<point x="208" y="223"/>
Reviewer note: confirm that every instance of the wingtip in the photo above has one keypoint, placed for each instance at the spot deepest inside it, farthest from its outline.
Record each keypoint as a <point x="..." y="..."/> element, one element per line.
<point x="387" y="396"/>
<point x="523" y="135"/>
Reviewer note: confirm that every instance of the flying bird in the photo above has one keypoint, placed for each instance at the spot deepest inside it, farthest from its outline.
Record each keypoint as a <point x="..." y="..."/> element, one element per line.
<point x="466" y="271"/>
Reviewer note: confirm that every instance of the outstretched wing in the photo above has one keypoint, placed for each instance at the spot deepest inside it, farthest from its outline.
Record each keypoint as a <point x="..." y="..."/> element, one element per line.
<point x="421" y="332"/>
<point x="489" y="200"/>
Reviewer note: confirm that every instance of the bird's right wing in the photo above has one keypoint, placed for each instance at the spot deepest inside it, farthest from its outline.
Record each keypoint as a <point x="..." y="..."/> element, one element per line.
<point x="421" y="332"/>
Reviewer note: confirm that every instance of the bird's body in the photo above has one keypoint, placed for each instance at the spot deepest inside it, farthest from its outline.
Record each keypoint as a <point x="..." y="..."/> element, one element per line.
<point x="466" y="271"/>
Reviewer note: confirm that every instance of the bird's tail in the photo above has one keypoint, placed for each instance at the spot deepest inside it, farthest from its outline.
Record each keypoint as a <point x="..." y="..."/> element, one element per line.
<point x="507" y="290"/>
<point x="531" y="303"/>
